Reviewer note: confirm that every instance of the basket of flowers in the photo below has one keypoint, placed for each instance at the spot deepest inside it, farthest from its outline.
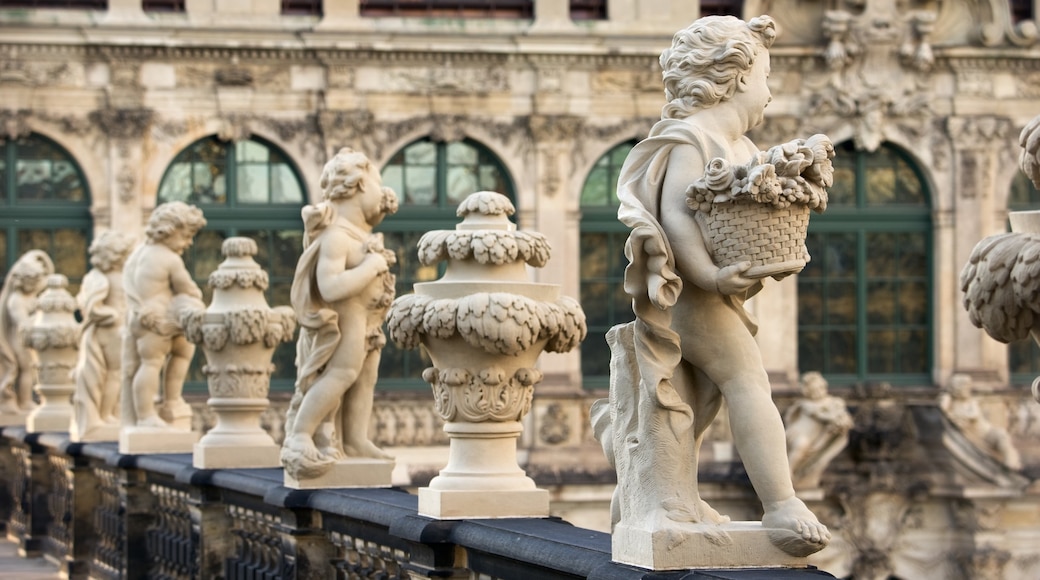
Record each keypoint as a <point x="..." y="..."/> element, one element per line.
<point x="759" y="212"/>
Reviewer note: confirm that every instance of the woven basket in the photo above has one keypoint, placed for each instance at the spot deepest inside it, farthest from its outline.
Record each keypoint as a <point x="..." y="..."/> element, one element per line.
<point x="772" y="239"/>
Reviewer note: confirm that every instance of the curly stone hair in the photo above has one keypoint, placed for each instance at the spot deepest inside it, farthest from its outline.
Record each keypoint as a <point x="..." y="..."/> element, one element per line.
<point x="172" y="216"/>
<point x="708" y="59"/>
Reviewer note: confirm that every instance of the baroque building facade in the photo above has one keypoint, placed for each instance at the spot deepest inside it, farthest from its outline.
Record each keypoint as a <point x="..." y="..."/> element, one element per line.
<point x="110" y="108"/>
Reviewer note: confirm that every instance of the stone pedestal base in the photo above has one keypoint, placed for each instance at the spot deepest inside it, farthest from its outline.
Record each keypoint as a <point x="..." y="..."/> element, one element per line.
<point x="456" y="505"/>
<point x="349" y="472"/>
<point x="46" y="419"/>
<point x="235" y="456"/>
<point x="140" y="440"/>
<point x="676" y="548"/>
<point x="13" y="419"/>
<point x="95" y="434"/>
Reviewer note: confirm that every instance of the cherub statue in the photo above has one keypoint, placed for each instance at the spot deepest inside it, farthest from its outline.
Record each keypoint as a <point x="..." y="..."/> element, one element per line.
<point x="158" y="287"/>
<point x="26" y="279"/>
<point x="961" y="408"/>
<point x="341" y="292"/>
<point x="692" y="343"/>
<point x="102" y="305"/>
<point x="817" y="429"/>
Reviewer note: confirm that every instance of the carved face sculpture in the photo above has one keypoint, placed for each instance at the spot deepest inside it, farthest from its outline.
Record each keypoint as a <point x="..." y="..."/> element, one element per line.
<point x="376" y="201"/>
<point x="754" y="95"/>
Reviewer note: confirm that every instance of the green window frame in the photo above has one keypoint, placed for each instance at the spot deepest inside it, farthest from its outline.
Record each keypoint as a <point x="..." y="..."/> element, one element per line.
<point x="245" y="188"/>
<point x="1024" y="355"/>
<point x="603" y="262"/>
<point x="430" y="178"/>
<point x="864" y="300"/>
<point x="44" y="205"/>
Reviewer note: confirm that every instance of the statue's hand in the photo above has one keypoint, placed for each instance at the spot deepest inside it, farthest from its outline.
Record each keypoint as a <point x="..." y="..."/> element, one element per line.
<point x="731" y="279"/>
<point x="377" y="262"/>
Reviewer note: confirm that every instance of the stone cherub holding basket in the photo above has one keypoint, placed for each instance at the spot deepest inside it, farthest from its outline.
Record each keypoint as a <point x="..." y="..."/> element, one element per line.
<point x="758" y="212"/>
<point x="710" y="216"/>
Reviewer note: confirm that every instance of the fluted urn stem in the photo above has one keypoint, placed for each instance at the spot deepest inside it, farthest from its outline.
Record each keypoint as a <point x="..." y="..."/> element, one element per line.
<point x="484" y="325"/>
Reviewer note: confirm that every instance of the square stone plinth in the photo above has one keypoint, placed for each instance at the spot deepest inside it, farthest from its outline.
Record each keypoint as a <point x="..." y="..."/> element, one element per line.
<point x="476" y="504"/>
<point x="96" y="434"/>
<point x="48" y="422"/>
<point x="349" y="472"/>
<point x="678" y="548"/>
<point x="235" y="457"/>
<point x="13" y="419"/>
<point x="141" y="440"/>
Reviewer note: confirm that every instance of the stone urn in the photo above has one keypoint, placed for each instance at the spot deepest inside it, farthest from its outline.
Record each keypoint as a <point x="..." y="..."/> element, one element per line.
<point x="238" y="332"/>
<point x="54" y="334"/>
<point x="484" y="325"/>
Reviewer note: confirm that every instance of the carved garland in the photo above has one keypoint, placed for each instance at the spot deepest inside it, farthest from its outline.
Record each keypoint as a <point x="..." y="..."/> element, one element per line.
<point x="488" y="395"/>
<point x="493" y="247"/>
<point x="238" y="381"/>
<point x="241" y="327"/>
<point x="224" y="279"/>
<point x="497" y="322"/>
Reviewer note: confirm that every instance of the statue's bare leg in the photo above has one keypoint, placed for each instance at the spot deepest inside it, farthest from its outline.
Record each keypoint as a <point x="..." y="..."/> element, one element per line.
<point x="151" y="353"/>
<point x="26" y="380"/>
<point x="357" y="412"/>
<point x="181" y="353"/>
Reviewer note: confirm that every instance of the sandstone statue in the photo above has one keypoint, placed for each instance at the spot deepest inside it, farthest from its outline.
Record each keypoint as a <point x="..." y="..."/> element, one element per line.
<point x="710" y="216"/>
<point x="341" y="292"/>
<point x="24" y="282"/>
<point x="817" y="430"/>
<point x="961" y="409"/>
<point x="156" y="355"/>
<point x="102" y="306"/>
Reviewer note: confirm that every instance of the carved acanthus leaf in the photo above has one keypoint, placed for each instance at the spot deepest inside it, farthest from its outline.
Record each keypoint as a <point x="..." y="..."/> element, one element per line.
<point x="484" y="395"/>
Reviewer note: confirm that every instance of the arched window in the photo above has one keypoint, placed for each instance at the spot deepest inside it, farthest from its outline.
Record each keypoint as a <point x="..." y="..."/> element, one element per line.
<point x="431" y="179"/>
<point x="602" y="263"/>
<point x="246" y="188"/>
<point x="44" y="205"/>
<point x="1024" y="355"/>
<point x="864" y="300"/>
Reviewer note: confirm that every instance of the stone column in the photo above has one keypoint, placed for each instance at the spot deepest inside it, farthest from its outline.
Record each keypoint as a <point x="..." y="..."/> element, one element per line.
<point x="484" y="326"/>
<point x="54" y="335"/>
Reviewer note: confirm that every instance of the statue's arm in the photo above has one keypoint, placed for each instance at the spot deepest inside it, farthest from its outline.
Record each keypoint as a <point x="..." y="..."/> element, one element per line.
<point x="181" y="281"/>
<point x="344" y="268"/>
<point x="692" y="260"/>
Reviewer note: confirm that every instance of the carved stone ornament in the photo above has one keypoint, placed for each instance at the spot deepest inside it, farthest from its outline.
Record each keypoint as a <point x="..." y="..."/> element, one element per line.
<point x="484" y="325"/>
<point x="102" y="306"/>
<point x="817" y="429"/>
<point x="14" y="124"/>
<point x="18" y="301"/>
<point x="53" y="334"/>
<point x="1001" y="280"/>
<point x="238" y="333"/>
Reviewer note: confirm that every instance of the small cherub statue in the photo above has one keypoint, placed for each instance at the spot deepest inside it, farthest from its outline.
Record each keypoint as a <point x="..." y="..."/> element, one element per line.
<point x="818" y="428"/>
<point x="693" y="343"/>
<point x="26" y="279"/>
<point x="961" y="408"/>
<point x="102" y="305"/>
<point x="341" y="292"/>
<point x="158" y="287"/>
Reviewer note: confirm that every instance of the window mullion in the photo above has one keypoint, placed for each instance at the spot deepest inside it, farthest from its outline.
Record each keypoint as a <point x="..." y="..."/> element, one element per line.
<point x="862" y="333"/>
<point x="230" y="176"/>
<point x="442" y="175"/>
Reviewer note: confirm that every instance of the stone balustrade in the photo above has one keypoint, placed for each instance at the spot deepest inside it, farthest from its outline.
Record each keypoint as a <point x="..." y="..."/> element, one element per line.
<point x="102" y="514"/>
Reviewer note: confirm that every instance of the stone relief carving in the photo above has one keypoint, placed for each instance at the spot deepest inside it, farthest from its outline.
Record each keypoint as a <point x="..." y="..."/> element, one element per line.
<point x="693" y="342"/>
<point x="102" y="306"/>
<point x="448" y="78"/>
<point x="24" y="282"/>
<point x="156" y="353"/>
<point x="997" y="28"/>
<point x="817" y="430"/>
<point x="341" y="292"/>
<point x="14" y="124"/>
<point x="484" y="325"/>
<point x="123" y="123"/>
<point x="981" y="449"/>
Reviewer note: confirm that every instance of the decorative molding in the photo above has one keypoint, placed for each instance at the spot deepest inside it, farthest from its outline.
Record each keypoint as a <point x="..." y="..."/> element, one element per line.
<point x="122" y="123"/>
<point x="14" y="124"/>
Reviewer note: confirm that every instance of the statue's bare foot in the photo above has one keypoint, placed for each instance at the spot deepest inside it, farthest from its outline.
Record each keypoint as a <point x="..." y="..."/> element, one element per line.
<point x="302" y="459"/>
<point x="698" y="512"/>
<point x="365" y="448"/>
<point x="332" y="452"/>
<point x="153" y="421"/>
<point x="793" y="528"/>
